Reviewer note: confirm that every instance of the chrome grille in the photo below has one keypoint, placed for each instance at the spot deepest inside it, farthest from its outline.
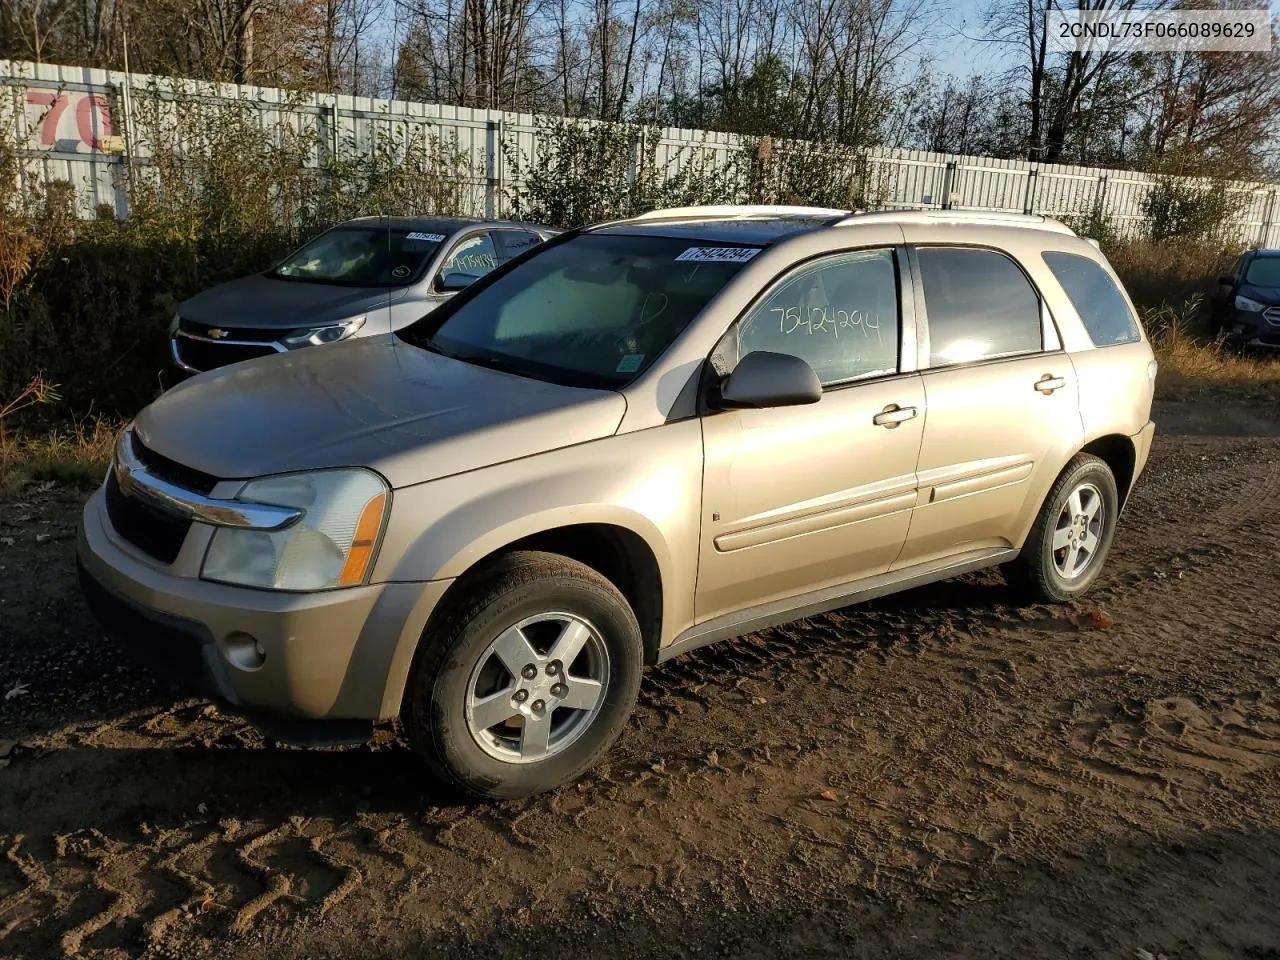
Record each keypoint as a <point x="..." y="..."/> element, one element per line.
<point x="1272" y="316"/>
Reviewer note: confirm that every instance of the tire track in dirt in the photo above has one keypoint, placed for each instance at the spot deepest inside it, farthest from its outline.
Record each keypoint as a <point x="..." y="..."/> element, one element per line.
<point x="962" y="733"/>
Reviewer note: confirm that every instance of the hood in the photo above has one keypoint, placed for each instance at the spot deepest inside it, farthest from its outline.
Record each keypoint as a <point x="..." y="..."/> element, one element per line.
<point x="1267" y="295"/>
<point x="375" y="402"/>
<point x="263" y="301"/>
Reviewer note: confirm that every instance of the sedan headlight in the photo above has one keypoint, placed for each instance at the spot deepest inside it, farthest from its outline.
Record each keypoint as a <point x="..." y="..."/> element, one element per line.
<point x="329" y="333"/>
<point x="1249" y="306"/>
<point x="332" y="545"/>
<point x="175" y="323"/>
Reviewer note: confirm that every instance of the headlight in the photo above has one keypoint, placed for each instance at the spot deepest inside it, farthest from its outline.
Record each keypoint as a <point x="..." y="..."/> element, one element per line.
<point x="331" y="546"/>
<point x="173" y="324"/>
<point x="1249" y="306"/>
<point x="329" y="333"/>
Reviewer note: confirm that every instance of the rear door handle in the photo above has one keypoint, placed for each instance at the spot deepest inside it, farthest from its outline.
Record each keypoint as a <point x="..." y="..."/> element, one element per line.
<point x="892" y="415"/>
<point x="1049" y="383"/>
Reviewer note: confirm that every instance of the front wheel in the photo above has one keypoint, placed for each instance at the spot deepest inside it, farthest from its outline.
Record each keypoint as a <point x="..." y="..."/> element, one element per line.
<point x="1072" y="534"/>
<point x="529" y="679"/>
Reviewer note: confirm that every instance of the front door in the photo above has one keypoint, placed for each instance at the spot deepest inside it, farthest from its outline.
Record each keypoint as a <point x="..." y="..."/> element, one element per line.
<point x="1004" y="411"/>
<point x="800" y="498"/>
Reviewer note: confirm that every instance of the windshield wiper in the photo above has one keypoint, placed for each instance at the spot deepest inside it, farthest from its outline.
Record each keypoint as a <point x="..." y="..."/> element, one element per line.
<point x="426" y="343"/>
<point x="493" y="363"/>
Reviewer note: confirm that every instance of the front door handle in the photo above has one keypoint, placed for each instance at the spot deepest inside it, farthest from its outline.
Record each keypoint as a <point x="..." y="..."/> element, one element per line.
<point x="1049" y="383"/>
<point x="892" y="415"/>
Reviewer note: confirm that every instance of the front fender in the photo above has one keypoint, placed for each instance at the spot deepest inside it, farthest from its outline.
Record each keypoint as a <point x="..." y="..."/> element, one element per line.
<point x="648" y="482"/>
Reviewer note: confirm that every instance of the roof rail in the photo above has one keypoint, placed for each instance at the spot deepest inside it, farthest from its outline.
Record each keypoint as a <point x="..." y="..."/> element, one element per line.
<point x="958" y="216"/>
<point x="743" y="210"/>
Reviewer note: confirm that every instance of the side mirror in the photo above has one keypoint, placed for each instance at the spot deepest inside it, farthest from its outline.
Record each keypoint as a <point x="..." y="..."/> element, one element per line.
<point x="764" y="379"/>
<point x="1227" y="281"/>
<point x="453" y="281"/>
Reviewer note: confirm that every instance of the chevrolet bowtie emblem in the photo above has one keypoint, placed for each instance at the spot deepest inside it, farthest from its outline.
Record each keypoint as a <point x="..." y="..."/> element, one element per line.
<point x="217" y="333"/>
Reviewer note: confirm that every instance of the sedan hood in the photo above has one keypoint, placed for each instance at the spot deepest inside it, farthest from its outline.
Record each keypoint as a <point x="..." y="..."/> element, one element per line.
<point x="376" y="402"/>
<point x="267" y="302"/>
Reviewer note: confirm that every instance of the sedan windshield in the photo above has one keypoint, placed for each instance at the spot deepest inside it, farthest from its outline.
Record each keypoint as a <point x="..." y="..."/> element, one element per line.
<point x="1264" y="272"/>
<point x="369" y="256"/>
<point x="596" y="310"/>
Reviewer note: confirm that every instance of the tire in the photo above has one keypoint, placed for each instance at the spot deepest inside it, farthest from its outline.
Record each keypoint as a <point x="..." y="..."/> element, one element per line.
<point x="1057" y="574"/>
<point x="518" y="608"/>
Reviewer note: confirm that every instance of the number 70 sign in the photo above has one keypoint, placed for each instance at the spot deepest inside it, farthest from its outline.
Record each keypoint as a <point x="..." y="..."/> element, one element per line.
<point x="68" y="122"/>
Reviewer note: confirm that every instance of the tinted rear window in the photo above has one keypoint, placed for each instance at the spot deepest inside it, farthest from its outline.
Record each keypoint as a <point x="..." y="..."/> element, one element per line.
<point x="1096" y="297"/>
<point x="980" y="305"/>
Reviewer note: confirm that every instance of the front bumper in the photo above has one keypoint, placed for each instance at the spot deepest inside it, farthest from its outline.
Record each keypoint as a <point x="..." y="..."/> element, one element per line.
<point x="336" y="655"/>
<point x="1253" y="329"/>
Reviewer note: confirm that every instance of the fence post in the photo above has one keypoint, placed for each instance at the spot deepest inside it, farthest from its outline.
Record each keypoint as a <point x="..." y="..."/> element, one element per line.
<point x="333" y="129"/>
<point x="1029" y="201"/>
<point x="1268" y="218"/>
<point x="1100" y="198"/>
<point x="500" y="158"/>
<point x="948" y="176"/>
<point x="634" y="172"/>
<point x="491" y="176"/>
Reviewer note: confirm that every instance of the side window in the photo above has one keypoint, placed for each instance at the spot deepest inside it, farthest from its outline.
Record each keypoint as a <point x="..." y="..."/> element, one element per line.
<point x="979" y="305"/>
<point x="839" y="314"/>
<point x="474" y="255"/>
<point x="1096" y="298"/>
<point x="514" y="243"/>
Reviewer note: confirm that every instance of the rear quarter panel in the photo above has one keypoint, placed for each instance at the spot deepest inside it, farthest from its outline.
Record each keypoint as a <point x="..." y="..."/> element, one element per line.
<point x="1116" y="389"/>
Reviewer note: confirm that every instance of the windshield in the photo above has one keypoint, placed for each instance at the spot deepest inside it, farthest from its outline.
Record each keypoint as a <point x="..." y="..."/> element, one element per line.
<point x="596" y="310"/>
<point x="1264" y="271"/>
<point x="371" y="256"/>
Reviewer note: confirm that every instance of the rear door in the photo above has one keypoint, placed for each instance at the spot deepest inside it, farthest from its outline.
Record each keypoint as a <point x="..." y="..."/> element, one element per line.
<point x="800" y="498"/>
<point x="1003" y="403"/>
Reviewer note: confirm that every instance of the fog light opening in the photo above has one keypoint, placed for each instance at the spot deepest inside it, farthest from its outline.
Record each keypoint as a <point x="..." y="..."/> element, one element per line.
<point x="243" y="651"/>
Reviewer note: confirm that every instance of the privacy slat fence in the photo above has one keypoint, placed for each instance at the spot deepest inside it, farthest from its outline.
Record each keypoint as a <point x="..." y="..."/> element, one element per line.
<point x="71" y="123"/>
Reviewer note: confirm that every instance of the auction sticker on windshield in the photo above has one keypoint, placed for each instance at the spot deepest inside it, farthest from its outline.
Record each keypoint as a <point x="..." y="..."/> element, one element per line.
<point x="718" y="254"/>
<point x="433" y="237"/>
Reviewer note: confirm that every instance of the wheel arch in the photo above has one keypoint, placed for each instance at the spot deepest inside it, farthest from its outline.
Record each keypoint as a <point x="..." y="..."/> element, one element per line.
<point x="622" y="546"/>
<point x="1120" y="455"/>
<point x="615" y="551"/>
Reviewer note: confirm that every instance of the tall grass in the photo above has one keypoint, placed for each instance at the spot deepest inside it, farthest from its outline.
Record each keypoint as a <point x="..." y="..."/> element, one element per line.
<point x="1190" y="366"/>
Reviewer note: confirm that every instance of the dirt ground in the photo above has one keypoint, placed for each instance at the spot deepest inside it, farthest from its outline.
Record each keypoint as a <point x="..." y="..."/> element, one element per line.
<point x="943" y="773"/>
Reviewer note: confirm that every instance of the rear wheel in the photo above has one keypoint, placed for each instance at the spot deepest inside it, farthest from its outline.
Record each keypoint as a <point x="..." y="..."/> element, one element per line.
<point x="1072" y="534"/>
<point x="529" y="679"/>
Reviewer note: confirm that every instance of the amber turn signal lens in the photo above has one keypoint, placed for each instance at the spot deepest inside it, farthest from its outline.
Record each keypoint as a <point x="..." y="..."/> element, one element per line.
<point x="361" y="552"/>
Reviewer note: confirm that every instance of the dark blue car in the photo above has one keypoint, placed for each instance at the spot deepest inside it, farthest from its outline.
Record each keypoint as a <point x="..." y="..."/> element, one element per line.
<point x="1249" y="312"/>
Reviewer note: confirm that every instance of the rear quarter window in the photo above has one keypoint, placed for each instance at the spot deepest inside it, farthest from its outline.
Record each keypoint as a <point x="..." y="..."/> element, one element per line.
<point x="1097" y="299"/>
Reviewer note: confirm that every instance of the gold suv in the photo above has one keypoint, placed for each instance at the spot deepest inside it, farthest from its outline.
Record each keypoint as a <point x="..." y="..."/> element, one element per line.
<point x="633" y="440"/>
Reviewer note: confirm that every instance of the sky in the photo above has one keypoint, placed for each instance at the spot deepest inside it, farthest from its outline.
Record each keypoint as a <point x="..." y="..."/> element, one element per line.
<point x="957" y="49"/>
<point x="956" y="46"/>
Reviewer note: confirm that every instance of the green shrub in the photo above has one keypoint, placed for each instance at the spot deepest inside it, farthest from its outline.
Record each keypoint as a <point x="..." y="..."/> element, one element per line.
<point x="1178" y="209"/>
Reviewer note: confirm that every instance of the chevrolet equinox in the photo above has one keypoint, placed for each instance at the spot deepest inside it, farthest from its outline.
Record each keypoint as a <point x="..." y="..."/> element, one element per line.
<point x="633" y="440"/>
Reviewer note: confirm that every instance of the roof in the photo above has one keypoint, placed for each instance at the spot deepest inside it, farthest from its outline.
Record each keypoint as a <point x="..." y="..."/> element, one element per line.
<point x="765" y="224"/>
<point x="757" y="230"/>
<point x="444" y="225"/>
